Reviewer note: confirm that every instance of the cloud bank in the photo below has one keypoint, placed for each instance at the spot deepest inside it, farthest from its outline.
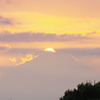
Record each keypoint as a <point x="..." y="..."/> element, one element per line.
<point x="81" y="51"/>
<point x="4" y="47"/>
<point x="40" y="37"/>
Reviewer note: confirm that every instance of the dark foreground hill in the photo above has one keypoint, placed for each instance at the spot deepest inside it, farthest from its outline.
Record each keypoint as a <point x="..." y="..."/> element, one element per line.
<point x="85" y="91"/>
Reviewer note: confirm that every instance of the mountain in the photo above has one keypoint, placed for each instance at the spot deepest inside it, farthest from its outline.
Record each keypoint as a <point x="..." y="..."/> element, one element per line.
<point x="45" y="77"/>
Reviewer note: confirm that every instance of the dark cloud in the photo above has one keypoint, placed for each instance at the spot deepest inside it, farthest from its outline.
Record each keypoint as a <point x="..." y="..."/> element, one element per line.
<point x="8" y="1"/>
<point x="5" y="21"/>
<point x="81" y="51"/>
<point x="24" y="51"/>
<point x="73" y="51"/>
<point x="2" y="48"/>
<point x="40" y="37"/>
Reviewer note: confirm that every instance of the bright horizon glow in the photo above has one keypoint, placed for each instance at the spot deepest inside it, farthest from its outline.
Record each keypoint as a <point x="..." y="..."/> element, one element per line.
<point x="50" y="50"/>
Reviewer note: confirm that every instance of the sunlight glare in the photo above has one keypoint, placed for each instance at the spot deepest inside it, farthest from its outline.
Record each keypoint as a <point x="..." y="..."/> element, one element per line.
<point x="50" y="50"/>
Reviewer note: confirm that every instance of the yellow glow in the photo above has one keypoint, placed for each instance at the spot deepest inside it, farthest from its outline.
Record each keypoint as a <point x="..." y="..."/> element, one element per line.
<point x="28" y="57"/>
<point x="5" y="45"/>
<point x="39" y="22"/>
<point x="50" y="49"/>
<point x="12" y="59"/>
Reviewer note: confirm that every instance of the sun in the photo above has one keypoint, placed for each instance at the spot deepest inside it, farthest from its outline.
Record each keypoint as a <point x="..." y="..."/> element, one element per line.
<point x="50" y="50"/>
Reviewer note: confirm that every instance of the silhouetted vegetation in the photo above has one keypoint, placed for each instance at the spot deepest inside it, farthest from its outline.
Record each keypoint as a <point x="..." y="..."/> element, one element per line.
<point x="85" y="91"/>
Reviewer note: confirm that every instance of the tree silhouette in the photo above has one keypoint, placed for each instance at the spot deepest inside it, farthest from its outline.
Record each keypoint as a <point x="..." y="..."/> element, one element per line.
<point x="85" y="91"/>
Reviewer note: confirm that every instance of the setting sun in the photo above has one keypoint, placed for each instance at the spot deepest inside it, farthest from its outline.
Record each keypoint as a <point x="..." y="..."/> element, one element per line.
<point x="50" y="50"/>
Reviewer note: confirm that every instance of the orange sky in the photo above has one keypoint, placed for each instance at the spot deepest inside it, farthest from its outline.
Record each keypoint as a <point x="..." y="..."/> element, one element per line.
<point x="28" y="28"/>
<point x="51" y="16"/>
<point x="58" y="24"/>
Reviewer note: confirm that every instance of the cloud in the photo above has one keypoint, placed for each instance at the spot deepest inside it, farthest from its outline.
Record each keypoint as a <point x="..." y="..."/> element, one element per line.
<point x="74" y="58"/>
<point x="72" y="51"/>
<point x="4" y="1"/>
<point x="13" y="60"/>
<point x="40" y="37"/>
<point x="21" y="60"/>
<point x="81" y="51"/>
<point x="8" y="1"/>
<point x="5" y="21"/>
<point x="4" y="47"/>
<point x="87" y="56"/>
<point x="24" y="51"/>
<point x="15" y="57"/>
<point x="28" y="57"/>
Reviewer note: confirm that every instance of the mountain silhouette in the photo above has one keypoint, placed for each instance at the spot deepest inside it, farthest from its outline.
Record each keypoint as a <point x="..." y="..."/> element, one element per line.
<point x="47" y="76"/>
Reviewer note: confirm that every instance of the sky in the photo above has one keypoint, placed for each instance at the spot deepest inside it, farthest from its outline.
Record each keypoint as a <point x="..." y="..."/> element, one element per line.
<point x="28" y="70"/>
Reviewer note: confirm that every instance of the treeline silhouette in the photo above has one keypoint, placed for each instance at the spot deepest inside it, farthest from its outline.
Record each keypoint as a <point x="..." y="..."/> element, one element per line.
<point x="84" y="91"/>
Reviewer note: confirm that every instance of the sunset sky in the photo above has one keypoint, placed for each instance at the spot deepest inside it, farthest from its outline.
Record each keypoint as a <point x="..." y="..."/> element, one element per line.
<point x="71" y="28"/>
